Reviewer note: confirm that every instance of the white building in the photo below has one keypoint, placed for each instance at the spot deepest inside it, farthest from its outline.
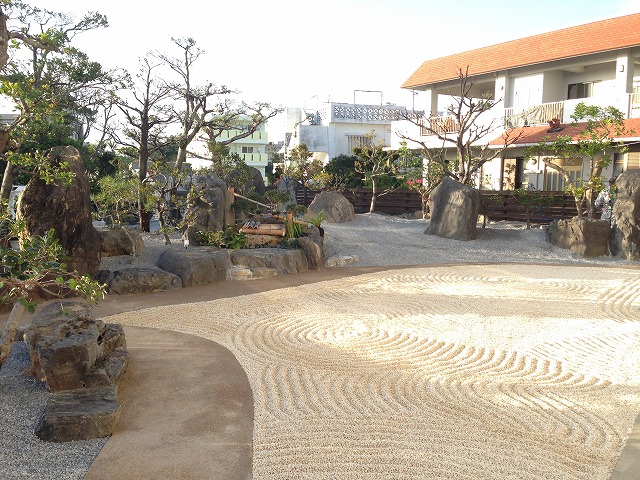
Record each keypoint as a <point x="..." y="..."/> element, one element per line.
<point x="336" y="128"/>
<point x="536" y="79"/>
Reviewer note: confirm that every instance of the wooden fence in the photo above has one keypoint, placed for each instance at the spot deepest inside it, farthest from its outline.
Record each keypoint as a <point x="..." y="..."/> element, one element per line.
<point x="498" y="205"/>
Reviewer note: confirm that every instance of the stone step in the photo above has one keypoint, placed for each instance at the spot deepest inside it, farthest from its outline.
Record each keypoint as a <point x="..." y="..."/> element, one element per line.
<point x="80" y="415"/>
<point x="240" y="272"/>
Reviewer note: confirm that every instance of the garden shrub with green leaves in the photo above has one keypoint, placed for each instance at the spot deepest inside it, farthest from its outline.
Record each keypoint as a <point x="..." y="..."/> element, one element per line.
<point x="37" y="271"/>
<point x="229" y="238"/>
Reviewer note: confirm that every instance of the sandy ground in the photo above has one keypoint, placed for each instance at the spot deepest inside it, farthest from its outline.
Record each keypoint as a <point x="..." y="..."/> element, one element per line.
<point x="504" y="357"/>
<point x="439" y="372"/>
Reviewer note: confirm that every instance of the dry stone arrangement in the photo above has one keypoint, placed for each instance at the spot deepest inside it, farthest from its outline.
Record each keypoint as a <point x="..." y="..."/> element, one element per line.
<point x="81" y="360"/>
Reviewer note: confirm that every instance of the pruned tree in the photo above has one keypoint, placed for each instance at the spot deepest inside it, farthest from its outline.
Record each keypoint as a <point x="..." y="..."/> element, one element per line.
<point x="48" y="80"/>
<point x="374" y="161"/>
<point x="146" y="104"/>
<point x="595" y="143"/>
<point x="421" y="174"/>
<point x="302" y="166"/>
<point x="468" y="131"/>
<point x="208" y="106"/>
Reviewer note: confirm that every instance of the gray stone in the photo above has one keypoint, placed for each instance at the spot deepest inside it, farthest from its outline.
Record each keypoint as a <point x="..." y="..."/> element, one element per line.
<point x="626" y="214"/>
<point x="141" y="280"/>
<point x="209" y="207"/>
<point x="67" y="345"/>
<point x="312" y="246"/>
<point x="287" y="185"/>
<point x="64" y="208"/>
<point x="585" y="238"/>
<point x="120" y="241"/>
<point x="285" y="262"/>
<point x="80" y="415"/>
<point x="454" y="211"/>
<point x="254" y="184"/>
<point x="196" y="266"/>
<point x="333" y="205"/>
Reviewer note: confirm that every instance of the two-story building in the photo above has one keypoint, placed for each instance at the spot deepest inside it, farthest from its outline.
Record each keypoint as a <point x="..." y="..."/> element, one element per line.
<point x="336" y="128"/>
<point x="534" y="80"/>
<point x="252" y="149"/>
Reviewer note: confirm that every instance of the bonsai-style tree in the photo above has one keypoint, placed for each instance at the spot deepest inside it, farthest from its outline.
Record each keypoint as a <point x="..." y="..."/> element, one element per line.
<point x="594" y="143"/>
<point x="375" y="162"/>
<point x="466" y="129"/>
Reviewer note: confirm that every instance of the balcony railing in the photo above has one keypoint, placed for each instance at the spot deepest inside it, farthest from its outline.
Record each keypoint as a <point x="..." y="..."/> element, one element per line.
<point x="441" y="125"/>
<point x="634" y="105"/>
<point x="259" y="136"/>
<point x="515" y="117"/>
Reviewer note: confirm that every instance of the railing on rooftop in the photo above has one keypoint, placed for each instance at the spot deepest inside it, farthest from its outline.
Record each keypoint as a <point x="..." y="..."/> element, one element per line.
<point x="515" y="117"/>
<point x="371" y="113"/>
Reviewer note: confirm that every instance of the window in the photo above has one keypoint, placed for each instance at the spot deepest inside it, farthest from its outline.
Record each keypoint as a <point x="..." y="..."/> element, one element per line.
<point x="554" y="181"/>
<point x="247" y="149"/>
<point x="580" y="90"/>
<point x="355" y="141"/>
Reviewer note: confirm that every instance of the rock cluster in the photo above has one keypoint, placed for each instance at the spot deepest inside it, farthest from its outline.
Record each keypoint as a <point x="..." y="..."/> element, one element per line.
<point x="81" y="360"/>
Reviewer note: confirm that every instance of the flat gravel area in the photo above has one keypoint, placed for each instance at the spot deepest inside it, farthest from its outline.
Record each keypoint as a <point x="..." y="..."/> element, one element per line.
<point x="22" y="454"/>
<point x="381" y="240"/>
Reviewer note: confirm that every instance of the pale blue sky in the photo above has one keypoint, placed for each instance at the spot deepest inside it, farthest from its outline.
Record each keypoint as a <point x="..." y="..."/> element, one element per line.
<point x="292" y="52"/>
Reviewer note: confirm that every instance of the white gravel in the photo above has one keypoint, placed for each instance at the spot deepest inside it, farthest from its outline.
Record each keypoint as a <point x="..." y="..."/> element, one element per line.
<point x="381" y="240"/>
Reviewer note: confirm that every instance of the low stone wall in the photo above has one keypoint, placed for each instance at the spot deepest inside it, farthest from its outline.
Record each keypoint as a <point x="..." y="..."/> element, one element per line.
<point x="203" y="265"/>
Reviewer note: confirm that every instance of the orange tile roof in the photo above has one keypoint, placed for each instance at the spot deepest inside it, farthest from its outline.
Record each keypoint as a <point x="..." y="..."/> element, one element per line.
<point x="602" y="36"/>
<point x="535" y="135"/>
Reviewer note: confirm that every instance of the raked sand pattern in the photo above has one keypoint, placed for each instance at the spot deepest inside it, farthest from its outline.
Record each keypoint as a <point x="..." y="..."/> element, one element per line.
<point x="458" y="372"/>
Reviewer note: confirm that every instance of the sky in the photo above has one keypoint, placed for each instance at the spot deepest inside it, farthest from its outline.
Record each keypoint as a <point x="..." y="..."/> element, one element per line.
<point x="299" y="53"/>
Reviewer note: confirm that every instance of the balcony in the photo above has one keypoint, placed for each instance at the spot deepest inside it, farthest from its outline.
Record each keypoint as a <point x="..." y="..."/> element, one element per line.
<point x="634" y="105"/>
<point x="516" y="117"/>
<point x="442" y="125"/>
<point x="255" y="137"/>
<point x="255" y="159"/>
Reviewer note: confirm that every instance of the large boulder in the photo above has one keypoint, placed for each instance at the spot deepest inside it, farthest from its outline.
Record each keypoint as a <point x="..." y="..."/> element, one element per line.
<point x="120" y="241"/>
<point x="209" y="207"/>
<point x="312" y="246"/>
<point x="70" y="349"/>
<point x="585" y="238"/>
<point x="139" y="280"/>
<point x="333" y="205"/>
<point x="454" y="211"/>
<point x="196" y="266"/>
<point x="65" y="208"/>
<point x="255" y="182"/>
<point x="284" y="261"/>
<point x="626" y="215"/>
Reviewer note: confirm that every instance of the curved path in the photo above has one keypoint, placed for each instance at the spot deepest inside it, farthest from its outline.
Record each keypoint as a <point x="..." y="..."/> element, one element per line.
<point x="466" y="371"/>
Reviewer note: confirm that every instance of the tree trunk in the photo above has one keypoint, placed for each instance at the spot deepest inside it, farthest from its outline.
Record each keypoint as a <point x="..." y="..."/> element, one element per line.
<point x="7" y="182"/>
<point x="374" y="195"/>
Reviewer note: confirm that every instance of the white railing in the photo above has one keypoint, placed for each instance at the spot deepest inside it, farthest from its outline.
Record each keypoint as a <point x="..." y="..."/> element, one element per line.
<point x="634" y="105"/>
<point x="366" y="113"/>
<point x="515" y="117"/>
<point x="441" y="125"/>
